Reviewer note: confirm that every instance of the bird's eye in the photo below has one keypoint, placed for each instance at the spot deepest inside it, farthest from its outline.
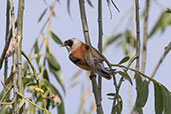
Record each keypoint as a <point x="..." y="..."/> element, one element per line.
<point x="69" y="43"/>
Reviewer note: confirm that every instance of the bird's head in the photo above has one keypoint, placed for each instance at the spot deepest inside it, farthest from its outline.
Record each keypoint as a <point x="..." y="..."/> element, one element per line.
<point x="72" y="44"/>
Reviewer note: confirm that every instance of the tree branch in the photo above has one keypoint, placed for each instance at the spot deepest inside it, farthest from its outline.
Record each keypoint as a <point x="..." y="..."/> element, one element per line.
<point x="144" y="54"/>
<point x="87" y="40"/>
<point x="100" y="41"/>
<point x="19" y="49"/>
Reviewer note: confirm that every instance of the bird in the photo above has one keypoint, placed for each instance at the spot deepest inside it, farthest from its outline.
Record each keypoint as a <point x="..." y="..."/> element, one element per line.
<point x="87" y="58"/>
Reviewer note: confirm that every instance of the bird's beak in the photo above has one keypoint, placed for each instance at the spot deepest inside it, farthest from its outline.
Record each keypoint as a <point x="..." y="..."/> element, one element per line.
<point x="63" y="45"/>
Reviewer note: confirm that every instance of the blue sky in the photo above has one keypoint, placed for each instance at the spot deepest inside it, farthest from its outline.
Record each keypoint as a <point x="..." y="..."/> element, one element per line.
<point x="66" y="27"/>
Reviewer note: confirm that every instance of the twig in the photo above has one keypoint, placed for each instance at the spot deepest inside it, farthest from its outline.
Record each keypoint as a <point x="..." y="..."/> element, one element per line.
<point x="159" y="63"/>
<point x="121" y="66"/>
<point x="87" y="40"/>
<point x="120" y="82"/>
<point x="8" y="103"/>
<point x="144" y="54"/>
<point x="100" y="41"/>
<point x="35" y="75"/>
<point x="8" y="90"/>
<point x="31" y="102"/>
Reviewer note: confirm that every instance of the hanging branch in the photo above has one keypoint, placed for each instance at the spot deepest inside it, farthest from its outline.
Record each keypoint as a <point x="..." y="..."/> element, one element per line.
<point x="144" y="53"/>
<point x="87" y="40"/>
<point x="100" y="41"/>
<point x="19" y="39"/>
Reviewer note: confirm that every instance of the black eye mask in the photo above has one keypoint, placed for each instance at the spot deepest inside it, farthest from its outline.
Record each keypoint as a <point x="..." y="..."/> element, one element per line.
<point x="68" y="43"/>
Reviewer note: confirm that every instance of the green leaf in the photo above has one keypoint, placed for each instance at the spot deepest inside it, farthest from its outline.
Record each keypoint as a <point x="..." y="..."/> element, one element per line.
<point x="118" y="108"/>
<point x="112" y="39"/>
<point x="139" y="82"/>
<point x="59" y="78"/>
<point x="158" y="98"/>
<point x="89" y="2"/>
<point x="142" y="95"/>
<point x="52" y="61"/>
<point x="56" y="38"/>
<point x="45" y="75"/>
<point x="125" y="75"/>
<point x="166" y="99"/>
<point x="36" y="51"/>
<point x="42" y="15"/>
<point x="111" y="94"/>
<point x="125" y="59"/>
<point x="163" y="21"/>
<point x="130" y="39"/>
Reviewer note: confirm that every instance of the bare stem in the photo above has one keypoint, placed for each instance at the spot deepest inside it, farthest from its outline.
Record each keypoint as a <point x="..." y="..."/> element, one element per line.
<point x="138" y="33"/>
<point x="87" y="40"/>
<point x="19" y="49"/>
<point x="84" y="22"/>
<point x="100" y="41"/>
<point x="144" y="53"/>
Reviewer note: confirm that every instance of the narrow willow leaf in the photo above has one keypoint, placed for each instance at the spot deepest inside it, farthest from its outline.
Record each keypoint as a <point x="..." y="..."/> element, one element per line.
<point x="110" y="94"/>
<point x="56" y="38"/>
<point x="143" y="95"/>
<point x="89" y="2"/>
<point x="125" y="59"/>
<point x="31" y="109"/>
<point x="45" y="75"/>
<point x="68" y="7"/>
<point x="52" y="61"/>
<point x="59" y="78"/>
<point x="42" y="15"/>
<point x="118" y="108"/>
<point x="36" y="51"/>
<point x="158" y="98"/>
<point x="166" y="99"/>
<point x="139" y="82"/>
<point x="163" y="21"/>
<point x="130" y="39"/>
<point x="125" y="75"/>
<point x="112" y="39"/>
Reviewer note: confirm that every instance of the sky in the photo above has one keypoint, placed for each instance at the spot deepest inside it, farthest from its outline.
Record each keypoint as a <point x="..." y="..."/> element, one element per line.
<point x="66" y="27"/>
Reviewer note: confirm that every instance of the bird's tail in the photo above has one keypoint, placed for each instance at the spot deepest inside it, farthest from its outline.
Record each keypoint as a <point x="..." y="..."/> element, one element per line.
<point x="101" y="71"/>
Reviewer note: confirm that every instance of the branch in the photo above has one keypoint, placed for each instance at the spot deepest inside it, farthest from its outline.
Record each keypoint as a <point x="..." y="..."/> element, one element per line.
<point x="87" y="40"/>
<point x="19" y="39"/>
<point x="100" y="41"/>
<point x="31" y="102"/>
<point x="144" y="54"/>
<point x="138" y="33"/>
<point x="159" y="63"/>
<point x="84" y="22"/>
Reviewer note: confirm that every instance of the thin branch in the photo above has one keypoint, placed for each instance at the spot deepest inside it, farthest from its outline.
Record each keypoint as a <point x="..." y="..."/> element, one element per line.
<point x="31" y="101"/>
<point x="84" y="22"/>
<point x="100" y="41"/>
<point x="14" y="56"/>
<point x="159" y="63"/>
<point x="144" y="53"/>
<point x="19" y="49"/>
<point x="120" y="82"/>
<point x="6" y="93"/>
<point x="121" y="66"/>
<point x="6" y="34"/>
<point x="87" y="40"/>
<point x="138" y="33"/>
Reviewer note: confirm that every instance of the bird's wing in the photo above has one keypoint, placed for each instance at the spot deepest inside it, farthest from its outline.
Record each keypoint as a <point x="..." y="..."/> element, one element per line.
<point x="95" y="61"/>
